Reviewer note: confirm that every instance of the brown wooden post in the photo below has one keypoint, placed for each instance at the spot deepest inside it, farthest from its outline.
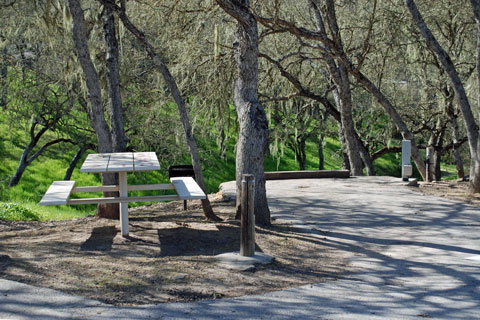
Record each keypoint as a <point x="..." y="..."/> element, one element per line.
<point x="430" y="169"/>
<point x="247" y="232"/>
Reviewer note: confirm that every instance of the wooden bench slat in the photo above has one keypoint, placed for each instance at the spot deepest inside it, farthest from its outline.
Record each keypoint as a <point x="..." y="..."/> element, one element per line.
<point x="187" y="188"/>
<point x="57" y="193"/>
<point x="122" y="199"/>
<point x="139" y="187"/>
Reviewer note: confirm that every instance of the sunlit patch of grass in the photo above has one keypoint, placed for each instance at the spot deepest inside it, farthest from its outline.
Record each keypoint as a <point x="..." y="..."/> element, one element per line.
<point x="16" y="211"/>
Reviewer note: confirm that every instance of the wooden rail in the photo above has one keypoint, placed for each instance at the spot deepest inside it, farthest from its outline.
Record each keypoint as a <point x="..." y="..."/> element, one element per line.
<point x="122" y="199"/>
<point x="307" y="174"/>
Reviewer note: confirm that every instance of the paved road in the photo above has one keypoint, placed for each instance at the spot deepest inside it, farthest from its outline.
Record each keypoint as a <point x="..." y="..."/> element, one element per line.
<point x="415" y="257"/>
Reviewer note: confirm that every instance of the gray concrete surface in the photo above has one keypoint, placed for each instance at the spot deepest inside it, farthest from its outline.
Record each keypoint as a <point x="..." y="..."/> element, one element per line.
<point x="415" y="257"/>
<point x="234" y="261"/>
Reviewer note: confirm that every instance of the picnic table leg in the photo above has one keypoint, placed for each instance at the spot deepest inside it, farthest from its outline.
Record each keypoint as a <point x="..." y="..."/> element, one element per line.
<point x="122" y="179"/>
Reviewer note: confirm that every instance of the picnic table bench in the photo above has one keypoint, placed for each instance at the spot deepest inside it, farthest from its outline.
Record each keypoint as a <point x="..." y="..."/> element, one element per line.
<point x="59" y="191"/>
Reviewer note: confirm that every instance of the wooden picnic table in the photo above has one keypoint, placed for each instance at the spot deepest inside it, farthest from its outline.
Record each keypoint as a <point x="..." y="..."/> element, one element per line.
<point x="121" y="163"/>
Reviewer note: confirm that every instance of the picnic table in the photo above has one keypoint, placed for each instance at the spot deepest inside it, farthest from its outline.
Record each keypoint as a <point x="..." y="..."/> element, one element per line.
<point x="122" y="163"/>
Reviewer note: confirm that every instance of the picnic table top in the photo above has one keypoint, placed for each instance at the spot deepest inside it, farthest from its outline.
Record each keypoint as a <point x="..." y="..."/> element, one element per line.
<point x="120" y="162"/>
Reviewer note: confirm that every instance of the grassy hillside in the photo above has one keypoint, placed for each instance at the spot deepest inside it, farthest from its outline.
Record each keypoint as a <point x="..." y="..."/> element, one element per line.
<point x="21" y="201"/>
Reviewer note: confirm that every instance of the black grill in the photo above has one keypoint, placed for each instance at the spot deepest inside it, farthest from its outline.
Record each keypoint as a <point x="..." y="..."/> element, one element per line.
<point x="181" y="170"/>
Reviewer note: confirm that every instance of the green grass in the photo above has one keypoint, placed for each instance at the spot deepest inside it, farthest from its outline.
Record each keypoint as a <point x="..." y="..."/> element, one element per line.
<point x="388" y="165"/>
<point x="21" y="202"/>
<point x="15" y="211"/>
<point x="449" y="172"/>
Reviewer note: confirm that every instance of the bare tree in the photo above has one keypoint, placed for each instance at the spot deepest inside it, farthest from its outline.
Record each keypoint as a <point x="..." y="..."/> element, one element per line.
<point x="330" y="47"/>
<point x="457" y="85"/>
<point x="97" y="116"/>
<point x="177" y="96"/>
<point x="342" y="92"/>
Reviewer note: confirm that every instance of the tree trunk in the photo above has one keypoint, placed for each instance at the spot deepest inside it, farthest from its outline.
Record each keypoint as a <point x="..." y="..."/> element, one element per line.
<point x="119" y="141"/>
<point x="351" y="147"/>
<point x="475" y="174"/>
<point x="476" y="12"/>
<point x="74" y="162"/>
<point x="79" y="35"/>
<point x="455" y="140"/>
<point x="223" y="145"/>
<point x="321" y="157"/>
<point x="3" y="83"/>
<point x="342" y="93"/>
<point x="26" y="159"/>
<point x="22" y="165"/>
<point x="301" y="155"/>
<point x="366" y="158"/>
<point x="390" y="109"/>
<point x="341" y="139"/>
<point x="321" y="139"/>
<point x="97" y="114"/>
<point x="437" y="171"/>
<point x="464" y="104"/>
<point x="177" y="96"/>
<point x="253" y="137"/>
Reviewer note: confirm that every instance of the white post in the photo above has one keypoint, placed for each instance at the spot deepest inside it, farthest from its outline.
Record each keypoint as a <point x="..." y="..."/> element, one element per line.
<point x="122" y="180"/>
<point x="406" y="155"/>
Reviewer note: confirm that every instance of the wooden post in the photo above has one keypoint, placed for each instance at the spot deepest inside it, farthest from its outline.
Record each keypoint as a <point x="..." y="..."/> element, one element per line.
<point x="247" y="232"/>
<point x="430" y="169"/>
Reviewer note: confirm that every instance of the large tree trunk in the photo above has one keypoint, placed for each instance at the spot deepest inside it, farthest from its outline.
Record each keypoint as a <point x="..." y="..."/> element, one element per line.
<point x="253" y="137"/>
<point x="464" y="104"/>
<point x="97" y="115"/>
<point x="341" y="139"/>
<point x="177" y="96"/>
<point x="475" y="174"/>
<point x="351" y="146"/>
<point x="119" y="140"/>
<point x="437" y="171"/>
<point x="79" y="35"/>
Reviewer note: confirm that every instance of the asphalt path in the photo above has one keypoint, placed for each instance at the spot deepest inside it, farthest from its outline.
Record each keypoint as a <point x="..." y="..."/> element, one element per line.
<point x="414" y="256"/>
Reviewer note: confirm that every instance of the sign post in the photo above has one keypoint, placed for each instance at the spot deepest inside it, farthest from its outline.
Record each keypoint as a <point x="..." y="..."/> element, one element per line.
<point x="407" y="170"/>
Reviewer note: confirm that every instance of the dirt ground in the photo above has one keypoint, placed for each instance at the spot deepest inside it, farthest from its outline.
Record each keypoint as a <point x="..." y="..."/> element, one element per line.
<point x="454" y="190"/>
<point x="168" y="256"/>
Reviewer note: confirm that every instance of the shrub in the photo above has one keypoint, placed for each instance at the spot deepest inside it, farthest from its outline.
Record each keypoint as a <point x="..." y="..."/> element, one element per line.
<point x="15" y="211"/>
